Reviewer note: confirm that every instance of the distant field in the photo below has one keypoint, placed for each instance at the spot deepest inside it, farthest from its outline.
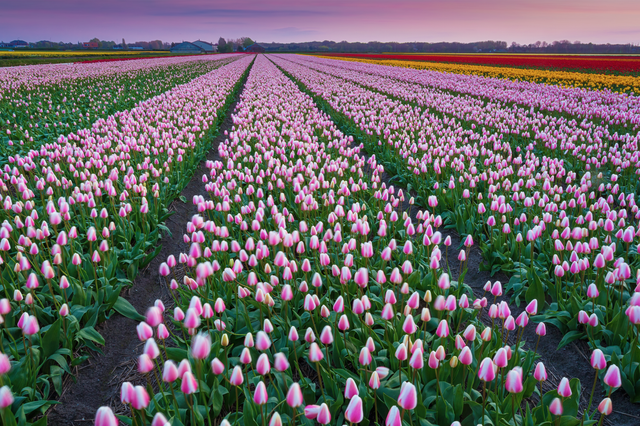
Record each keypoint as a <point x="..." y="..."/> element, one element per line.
<point x="628" y="82"/>
<point x="600" y="63"/>
<point x="34" y="57"/>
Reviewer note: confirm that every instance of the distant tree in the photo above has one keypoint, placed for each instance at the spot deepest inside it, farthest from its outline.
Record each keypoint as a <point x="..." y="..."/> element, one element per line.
<point x="246" y="42"/>
<point x="96" y="40"/>
<point x="223" y="46"/>
<point x="155" y="45"/>
<point x="124" y="44"/>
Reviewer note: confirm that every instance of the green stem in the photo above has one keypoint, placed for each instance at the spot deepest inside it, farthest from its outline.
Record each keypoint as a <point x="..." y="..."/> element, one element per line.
<point x="320" y="380"/>
<point x="593" y="389"/>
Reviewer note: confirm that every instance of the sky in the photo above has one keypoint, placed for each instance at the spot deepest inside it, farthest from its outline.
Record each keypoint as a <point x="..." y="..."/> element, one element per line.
<point x="522" y="21"/>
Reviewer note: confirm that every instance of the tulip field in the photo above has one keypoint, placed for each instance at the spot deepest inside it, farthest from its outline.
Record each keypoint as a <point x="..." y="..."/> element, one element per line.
<point x="325" y="274"/>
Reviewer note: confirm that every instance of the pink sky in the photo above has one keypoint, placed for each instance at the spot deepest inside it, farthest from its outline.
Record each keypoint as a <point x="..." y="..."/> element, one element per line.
<point x="523" y="21"/>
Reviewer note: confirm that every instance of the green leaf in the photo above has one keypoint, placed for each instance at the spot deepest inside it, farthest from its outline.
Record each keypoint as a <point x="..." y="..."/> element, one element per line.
<point x="535" y="291"/>
<point x="126" y="309"/>
<point x="51" y="339"/>
<point x="176" y="354"/>
<point x="30" y="407"/>
<point x="570" y="337"/>
<point x="90" y="333"/>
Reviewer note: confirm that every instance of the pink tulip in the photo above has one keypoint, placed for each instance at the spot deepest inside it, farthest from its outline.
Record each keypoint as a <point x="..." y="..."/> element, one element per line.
<point x="236" y="376"/>
<point x="365" y="357"/>
<point x="486" y="373"/>
<point x="374" y="380"/>
<point x="30" y="326"/>
<point x="162" y="331"/>
<point x="5" y="364"/>
<point x="315" y="354"/>
<point x="326" y="337"/>
<point x="324" y="415"/>
<point x="466" y="356"/>
<point x="500" y="358"/>
<point x="159" y="420"/>
<point x="612" y="377"/>
<point x="151" y="349"/>
<point x="217" y="367"/>
<point x="104" y="415"/>
<point x="6" y="397"/>
<point x="513" y="383"/>
<point x="189" y="383"/>
<point x="263" y="367"/>
<point x="293" y="334"/>
<point x="401" y="352"/>
<point x="433" y="362"/>
<point x="556" y="407"/>
<point x="5" y="306"/>
<point x="281" y="363"/>
<point x="351" y="389"/>
<point x="260" y="395"/>
<point x="564" y="389"/>
<point x="408" y="398"/>
<point x="294" y="396"/>
<point x="470" y="333"/>
<point x="605" y="407"/>
<point x="443" y="281"/>
<point x="276" y="420"/>
<point x="583" y="317"/>
<point x="201" y="346"/>
<point x="309" y="335"/>
<point x="311" y="411"/>
<point x="443" y="329"/>
<point x="409" y="326"/>
<point x="540" y="373"/>
<point x="393" y="417"/>
<point x="343" y="323"/>
<point x="598" y="360"/>
<point x="170" y="372"/>
<point x="262" y="341"/>
<point x="139" y="398"/>
<point x="354" y="412"/>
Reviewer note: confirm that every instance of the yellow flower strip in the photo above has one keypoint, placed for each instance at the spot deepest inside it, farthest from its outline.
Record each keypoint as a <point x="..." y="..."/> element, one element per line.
<point x="36" y="53"/>
<point x="616" y="83"/>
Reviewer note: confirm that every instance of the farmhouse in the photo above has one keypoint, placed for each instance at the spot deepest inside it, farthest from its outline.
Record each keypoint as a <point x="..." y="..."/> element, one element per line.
<point x="187" y="47"/>
<point x="90" y="45"/>
<point x="255" y="48"/>
<point x="18" y="43"/>
<point x="206" y="46"/>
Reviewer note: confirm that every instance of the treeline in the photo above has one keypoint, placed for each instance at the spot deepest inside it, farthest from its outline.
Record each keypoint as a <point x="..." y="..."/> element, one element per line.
<point x="490" y="46"/>
<point x="103" y="44"/>
<point x="234" y="45"/>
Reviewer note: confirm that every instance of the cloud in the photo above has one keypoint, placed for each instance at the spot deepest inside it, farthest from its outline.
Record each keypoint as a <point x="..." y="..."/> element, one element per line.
<point x="294" y="32"/>
<point x="302" y="20"/>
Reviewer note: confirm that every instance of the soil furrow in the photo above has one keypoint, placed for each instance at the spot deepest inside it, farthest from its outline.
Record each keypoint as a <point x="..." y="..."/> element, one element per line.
<point x="94" y="382"/>
<point x="571" y="361"/>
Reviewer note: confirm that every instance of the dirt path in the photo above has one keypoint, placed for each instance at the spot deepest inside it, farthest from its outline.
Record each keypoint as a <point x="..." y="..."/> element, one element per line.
<point x="98" y="380"/>
<point x="572" y="361"/>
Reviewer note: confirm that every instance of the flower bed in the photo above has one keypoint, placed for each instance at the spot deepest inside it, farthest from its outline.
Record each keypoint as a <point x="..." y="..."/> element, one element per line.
<point x="80" y="216"/>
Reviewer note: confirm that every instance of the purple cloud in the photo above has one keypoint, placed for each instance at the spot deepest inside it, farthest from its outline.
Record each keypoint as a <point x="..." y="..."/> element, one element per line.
<point x="523" y="21"/>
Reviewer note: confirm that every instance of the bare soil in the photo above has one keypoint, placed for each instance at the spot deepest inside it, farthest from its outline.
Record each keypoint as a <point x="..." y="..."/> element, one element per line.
<point x="98" y="380"/>
<point x="572" y="361"/>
